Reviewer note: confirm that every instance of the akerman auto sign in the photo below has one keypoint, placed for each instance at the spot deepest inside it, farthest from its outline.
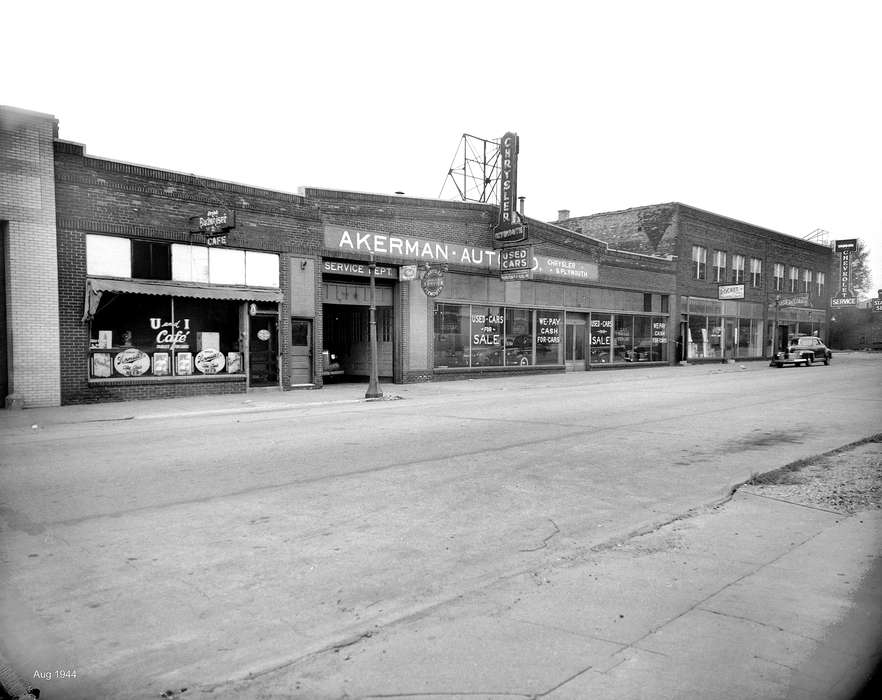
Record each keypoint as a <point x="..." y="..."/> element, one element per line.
<point x="388" y="245"/>
<point x="730" y="291"/>
<point x="396" y="247"/>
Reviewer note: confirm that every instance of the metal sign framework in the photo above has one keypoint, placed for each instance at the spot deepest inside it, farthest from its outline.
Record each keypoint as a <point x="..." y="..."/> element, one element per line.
<point x="475" y="171"/>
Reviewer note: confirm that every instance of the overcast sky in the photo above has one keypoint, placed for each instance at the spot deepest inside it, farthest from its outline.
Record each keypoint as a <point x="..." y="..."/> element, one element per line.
<point x="768" y="112"/>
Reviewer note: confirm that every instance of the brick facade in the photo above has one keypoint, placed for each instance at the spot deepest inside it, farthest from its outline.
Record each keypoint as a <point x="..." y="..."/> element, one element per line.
<point x="671" y="230"/>
<point x="27" y="210"/>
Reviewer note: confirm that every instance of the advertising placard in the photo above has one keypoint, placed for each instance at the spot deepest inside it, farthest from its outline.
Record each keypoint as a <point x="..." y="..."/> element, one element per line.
<point x="730" y="291"/>
<point x="516" y="258"/>
<point x="845" y="244"/>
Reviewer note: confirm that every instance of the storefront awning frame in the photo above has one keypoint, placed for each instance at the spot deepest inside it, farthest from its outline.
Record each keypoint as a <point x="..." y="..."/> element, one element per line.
<point x="96" y="286"/>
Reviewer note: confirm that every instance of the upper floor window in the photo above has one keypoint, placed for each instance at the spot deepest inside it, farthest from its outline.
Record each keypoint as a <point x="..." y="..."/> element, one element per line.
<point x="151" y="260"/>
<point x="820" y="284"/>
<point x="793" y="285"/>
<point x="778" y="274"/>
<point x="699" y="262"/>
<point x="756" y="272"/>
<point x="719" y="270"/>
<point x="806" y="285"/>
<point x="737" y="269"/>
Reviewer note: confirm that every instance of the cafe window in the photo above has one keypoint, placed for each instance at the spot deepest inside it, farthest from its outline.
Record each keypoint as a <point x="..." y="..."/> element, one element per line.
<point x="699" y="262"/>
<point x="719" y="270"/>
<point x="737" y="269"/>
<point x="151" y="260"/>
<point x="143" y="335"/>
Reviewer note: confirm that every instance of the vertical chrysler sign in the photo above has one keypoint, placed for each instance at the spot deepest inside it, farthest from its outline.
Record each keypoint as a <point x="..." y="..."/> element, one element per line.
<point x="508" y="183"/>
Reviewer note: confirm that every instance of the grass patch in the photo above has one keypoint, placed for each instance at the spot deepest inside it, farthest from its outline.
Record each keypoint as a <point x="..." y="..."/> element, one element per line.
<point x="788" y="474"/>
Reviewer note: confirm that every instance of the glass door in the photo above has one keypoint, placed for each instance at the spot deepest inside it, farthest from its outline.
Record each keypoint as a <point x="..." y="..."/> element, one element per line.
<point x="574" y="342"/>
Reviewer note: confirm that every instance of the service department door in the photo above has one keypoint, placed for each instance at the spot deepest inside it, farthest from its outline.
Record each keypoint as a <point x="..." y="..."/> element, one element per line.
<point x="575" y="342"/>
<point x="301" y="351"/>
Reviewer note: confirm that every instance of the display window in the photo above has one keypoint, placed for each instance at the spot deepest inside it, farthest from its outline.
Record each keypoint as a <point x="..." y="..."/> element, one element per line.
<point x="472" y="335"/>
<point x="601" y="338"/>
<point x="142" y="335"/>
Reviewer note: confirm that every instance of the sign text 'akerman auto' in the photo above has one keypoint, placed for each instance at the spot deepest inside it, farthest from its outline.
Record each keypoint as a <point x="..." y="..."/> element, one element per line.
<point x="391" y="246"/>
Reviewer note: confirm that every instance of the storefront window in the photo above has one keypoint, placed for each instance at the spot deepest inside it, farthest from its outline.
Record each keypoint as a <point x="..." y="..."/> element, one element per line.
<point x="698" y="337"/>
<point x="134" y="335"/>
<point x="451" y="335"/>
<point x="601" y="335"/>
<point x="486" y="336"/>
<point x="659" y="340"/>
<point x="749" y="340"/>
<point x="518" y="337"/>
<point x="623" y="337"/>
<point x="548" y="337"/>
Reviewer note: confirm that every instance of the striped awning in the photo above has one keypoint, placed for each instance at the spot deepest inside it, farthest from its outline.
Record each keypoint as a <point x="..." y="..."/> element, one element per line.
<point x="96" y="286"/>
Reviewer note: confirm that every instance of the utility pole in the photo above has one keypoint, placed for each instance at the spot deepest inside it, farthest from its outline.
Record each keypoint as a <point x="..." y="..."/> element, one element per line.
<point x="373" y="391"/>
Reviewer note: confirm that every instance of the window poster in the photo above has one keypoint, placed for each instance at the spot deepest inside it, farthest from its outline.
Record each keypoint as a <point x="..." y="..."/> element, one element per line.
<point x="184" y="363"/>
<point x="161" y="364"/>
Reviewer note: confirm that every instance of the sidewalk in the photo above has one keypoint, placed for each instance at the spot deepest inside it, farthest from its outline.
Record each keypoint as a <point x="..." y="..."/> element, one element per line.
<point x="274" y="399"/>
<point x="755" y="599"/>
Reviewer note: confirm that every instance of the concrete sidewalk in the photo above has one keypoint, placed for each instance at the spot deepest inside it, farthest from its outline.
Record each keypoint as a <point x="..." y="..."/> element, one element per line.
<point x="274" y="399"/>
<point x="754" y="599"/>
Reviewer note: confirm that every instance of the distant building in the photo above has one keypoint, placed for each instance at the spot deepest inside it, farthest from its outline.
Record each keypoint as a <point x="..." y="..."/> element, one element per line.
<point x="734" y="280"/>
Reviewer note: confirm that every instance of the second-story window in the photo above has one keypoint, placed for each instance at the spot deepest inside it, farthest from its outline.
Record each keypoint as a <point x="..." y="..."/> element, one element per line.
<point x="806" y="285"/>
<point x="820" y="284"/>
<point x="737" y="269"/>
<point x="793" y="285"/>
<point x="779" y="277"/>
<point x="719" y="270"/>
<point x="699" y="262"/>
<point x="756" y="273"/>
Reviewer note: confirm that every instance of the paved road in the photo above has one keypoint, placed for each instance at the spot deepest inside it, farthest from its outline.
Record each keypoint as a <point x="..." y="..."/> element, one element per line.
<point x="193" y="550"/>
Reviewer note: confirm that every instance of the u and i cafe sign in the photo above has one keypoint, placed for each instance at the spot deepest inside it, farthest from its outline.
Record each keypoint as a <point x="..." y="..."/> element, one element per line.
<point x="214" y="224"/>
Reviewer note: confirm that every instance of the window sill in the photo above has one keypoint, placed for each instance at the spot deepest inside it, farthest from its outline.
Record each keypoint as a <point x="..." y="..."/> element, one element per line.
<point x="190" y="379"/>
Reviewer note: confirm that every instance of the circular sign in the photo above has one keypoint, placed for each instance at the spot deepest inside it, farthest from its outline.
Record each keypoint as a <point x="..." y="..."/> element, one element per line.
<point x="131" y="362"/>
<point x="432" y="282"/>
<point x="210" y="361"/>
<point x="263" y="334"/>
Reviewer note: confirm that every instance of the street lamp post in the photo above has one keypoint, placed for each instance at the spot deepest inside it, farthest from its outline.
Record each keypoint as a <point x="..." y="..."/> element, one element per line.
<point x="373" y="391"/>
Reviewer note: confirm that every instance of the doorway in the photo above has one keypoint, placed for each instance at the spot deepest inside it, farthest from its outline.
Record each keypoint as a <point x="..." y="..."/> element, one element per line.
<point x="263" y="350"/>
<point x="301" y="351"/>
<point x="574" y="342"/>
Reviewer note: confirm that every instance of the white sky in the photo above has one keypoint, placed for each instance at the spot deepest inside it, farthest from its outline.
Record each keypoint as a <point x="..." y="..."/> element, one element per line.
<point x="769" y="112"/>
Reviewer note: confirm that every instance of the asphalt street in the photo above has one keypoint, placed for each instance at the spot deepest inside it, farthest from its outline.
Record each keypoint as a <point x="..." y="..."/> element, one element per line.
<point x="205" y="543"/>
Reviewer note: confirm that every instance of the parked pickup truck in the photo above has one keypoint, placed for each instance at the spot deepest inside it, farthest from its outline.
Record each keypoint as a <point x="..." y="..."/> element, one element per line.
<point x="803" y="351"/>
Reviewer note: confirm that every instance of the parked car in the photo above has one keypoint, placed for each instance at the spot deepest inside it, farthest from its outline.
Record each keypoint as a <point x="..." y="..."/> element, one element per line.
<point x="803" y="351"/>
<point x="330" y="365"/>
<point x="811" y="348"/>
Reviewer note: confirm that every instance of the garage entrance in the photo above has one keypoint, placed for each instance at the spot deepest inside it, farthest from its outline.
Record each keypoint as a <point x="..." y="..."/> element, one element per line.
<point x="346" y="330"/>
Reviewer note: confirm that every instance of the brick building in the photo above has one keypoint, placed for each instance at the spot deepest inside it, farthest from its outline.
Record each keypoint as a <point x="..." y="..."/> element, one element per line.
<point x="124" y="281"/>
<point x="735" y="282"/>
